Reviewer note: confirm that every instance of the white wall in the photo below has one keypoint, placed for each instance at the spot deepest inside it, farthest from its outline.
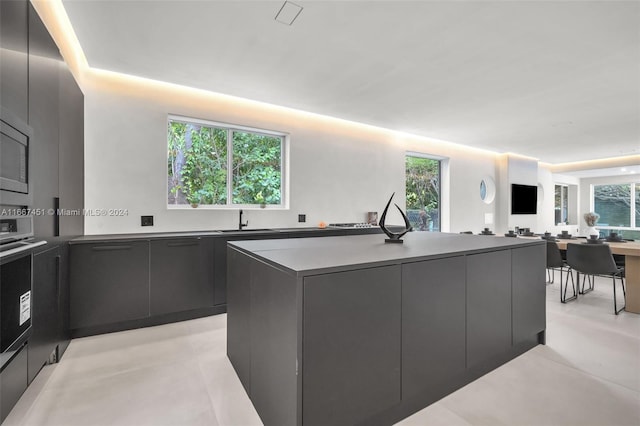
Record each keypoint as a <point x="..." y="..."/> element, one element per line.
<point x="338" y="170"/>
<point x="519" y="170"/>
<point x="546" y="205"/>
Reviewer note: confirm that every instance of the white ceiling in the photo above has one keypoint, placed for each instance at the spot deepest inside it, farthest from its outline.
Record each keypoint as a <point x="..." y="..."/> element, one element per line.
<point x="554" y="80"/>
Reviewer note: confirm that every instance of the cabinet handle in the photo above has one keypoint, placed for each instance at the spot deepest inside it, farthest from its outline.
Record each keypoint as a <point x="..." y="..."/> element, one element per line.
<point x="109" y="248"/>
<point x="56" y="217"/>
<point x="185" y="243"/>
<point x="58" y="277"/>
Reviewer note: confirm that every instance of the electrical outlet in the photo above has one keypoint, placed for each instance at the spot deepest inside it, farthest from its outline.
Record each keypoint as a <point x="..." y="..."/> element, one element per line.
<point x="302" y="218"/>
<point x="146" y="220"/>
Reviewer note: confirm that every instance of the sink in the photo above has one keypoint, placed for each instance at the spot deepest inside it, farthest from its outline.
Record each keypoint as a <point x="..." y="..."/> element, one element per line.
<point x="246" y="230"/>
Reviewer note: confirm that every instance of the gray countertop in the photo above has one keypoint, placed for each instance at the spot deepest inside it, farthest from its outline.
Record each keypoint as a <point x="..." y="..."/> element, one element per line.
<point x="308" y="256"/>
<point x="189" y="234"/>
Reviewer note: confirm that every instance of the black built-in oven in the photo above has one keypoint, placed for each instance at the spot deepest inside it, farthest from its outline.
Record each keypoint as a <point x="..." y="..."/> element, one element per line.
<point x="16" y="248"/>
<point x="15" y="303"/>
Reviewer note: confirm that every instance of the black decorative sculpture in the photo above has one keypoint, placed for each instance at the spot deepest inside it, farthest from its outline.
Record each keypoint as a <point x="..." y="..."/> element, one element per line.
<point x="394" y="238"/>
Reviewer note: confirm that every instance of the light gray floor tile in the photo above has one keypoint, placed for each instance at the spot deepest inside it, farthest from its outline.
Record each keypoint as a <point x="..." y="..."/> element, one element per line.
<point x="178" y="374"/>
<point x="533" y="390"/>
<point x="229" y="399"/>
<point x="169" y="394"/>
<point x="434" y="415"/>
<point x="96" y="357"/>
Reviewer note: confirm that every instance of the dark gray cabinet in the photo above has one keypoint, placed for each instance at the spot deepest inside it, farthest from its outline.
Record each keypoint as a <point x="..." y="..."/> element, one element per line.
<point x="433" y="310"/>
<point x="14" y="60"/>
<point x="220" y="260"/>
<point x="124" y="284"/>
<point x="352" y="327"/>
<point x="372" y="342"/>
<point x="488" y="305"/>
<point x="109" y="283"/>
<point x="71" y="153"/>
<point x="13" y="382"/>
<point x="273" y="333"/>
<point x="181" y="275"/>
<point x="528" y="293"/>
<point x="47" y="316"/>
<point x="64" y="300"/>
<point x="44" y="65"/>
<point x="239" y="330"/>
<point x="55" y="106"/>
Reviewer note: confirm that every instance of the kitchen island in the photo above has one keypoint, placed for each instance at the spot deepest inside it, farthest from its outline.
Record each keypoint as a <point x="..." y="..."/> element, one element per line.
<point x="350" y="330"/>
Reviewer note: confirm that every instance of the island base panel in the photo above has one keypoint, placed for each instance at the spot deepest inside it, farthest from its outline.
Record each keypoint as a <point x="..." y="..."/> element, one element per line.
<point x="351" y="345"/>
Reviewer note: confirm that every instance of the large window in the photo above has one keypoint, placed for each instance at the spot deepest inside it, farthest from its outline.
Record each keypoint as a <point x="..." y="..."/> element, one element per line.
<point x="423" y="192"/>
<point x="219" y="165"/>
<point x="614" y="204"/>
<point x="619" y="208"/>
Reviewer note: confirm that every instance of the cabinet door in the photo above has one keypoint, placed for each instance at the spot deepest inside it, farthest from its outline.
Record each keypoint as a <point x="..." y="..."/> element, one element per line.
<point x="71" y="153"/>
<point x="109" y="283"/>
<point x="13" y="382"/>
<point x="44" y="64"/>
<point x="63" y="299"/>
<point x="529" y="292"/>
<point x="181" y="275"/>
<point x="14" y="61"/>
<point x="220" y="270"/>
<point x="433" y="323"/>
<point x="488" y="305"/>
<point x="351" y="345"/>
<point x="46" y="321"/>
<point x="220" y="262"/>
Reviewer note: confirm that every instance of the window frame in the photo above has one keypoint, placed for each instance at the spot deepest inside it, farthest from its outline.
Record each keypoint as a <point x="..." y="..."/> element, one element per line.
<point x="230" y="129"/>
<point x="632" y="214"/>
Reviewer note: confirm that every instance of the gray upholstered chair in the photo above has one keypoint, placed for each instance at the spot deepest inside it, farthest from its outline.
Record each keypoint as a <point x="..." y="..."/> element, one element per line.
<point x="595" y="260"/>
<point x="555" y="262"/>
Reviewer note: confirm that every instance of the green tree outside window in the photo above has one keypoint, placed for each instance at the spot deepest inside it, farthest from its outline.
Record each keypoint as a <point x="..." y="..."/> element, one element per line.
<point x="199" y="170"/>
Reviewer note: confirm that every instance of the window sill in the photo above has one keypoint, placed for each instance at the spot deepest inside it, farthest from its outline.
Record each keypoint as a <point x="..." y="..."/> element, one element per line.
<point x="233" y="207"/>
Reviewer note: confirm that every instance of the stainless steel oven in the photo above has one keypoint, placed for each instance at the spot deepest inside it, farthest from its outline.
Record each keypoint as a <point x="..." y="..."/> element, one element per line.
<point x="14" y="165"/>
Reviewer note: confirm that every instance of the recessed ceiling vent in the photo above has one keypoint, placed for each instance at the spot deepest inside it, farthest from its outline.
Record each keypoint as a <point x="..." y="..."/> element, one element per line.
<point x="288" y="13"/>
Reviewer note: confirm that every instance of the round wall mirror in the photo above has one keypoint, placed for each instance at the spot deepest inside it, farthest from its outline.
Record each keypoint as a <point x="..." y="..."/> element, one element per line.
<point x="487" y="190"/>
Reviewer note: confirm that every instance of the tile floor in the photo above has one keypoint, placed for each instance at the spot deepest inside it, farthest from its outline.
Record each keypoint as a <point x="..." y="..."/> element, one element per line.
<point x="178" y="374"/>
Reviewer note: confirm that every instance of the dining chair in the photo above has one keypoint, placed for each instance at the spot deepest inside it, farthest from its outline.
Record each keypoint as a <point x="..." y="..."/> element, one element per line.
<point x="595" y="260"/>
<point x="555" y="262"/>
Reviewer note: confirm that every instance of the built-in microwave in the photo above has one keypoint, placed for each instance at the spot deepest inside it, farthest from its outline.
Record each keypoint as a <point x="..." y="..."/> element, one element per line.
<point x="14" y="166"/>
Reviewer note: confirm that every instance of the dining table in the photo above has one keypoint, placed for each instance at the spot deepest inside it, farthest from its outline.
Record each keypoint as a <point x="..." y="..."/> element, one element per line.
<point x="631" y="252"/>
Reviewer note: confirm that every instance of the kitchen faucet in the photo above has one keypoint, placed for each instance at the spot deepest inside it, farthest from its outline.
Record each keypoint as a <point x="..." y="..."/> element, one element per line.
<point x="240" y="224"/>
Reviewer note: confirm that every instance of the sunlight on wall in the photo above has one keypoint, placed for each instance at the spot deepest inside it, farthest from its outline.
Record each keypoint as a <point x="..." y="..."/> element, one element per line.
<point x="605" y="163"/>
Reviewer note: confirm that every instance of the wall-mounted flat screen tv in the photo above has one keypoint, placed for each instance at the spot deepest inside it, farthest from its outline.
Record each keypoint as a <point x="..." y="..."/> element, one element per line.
<point x="524" y="199"/>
